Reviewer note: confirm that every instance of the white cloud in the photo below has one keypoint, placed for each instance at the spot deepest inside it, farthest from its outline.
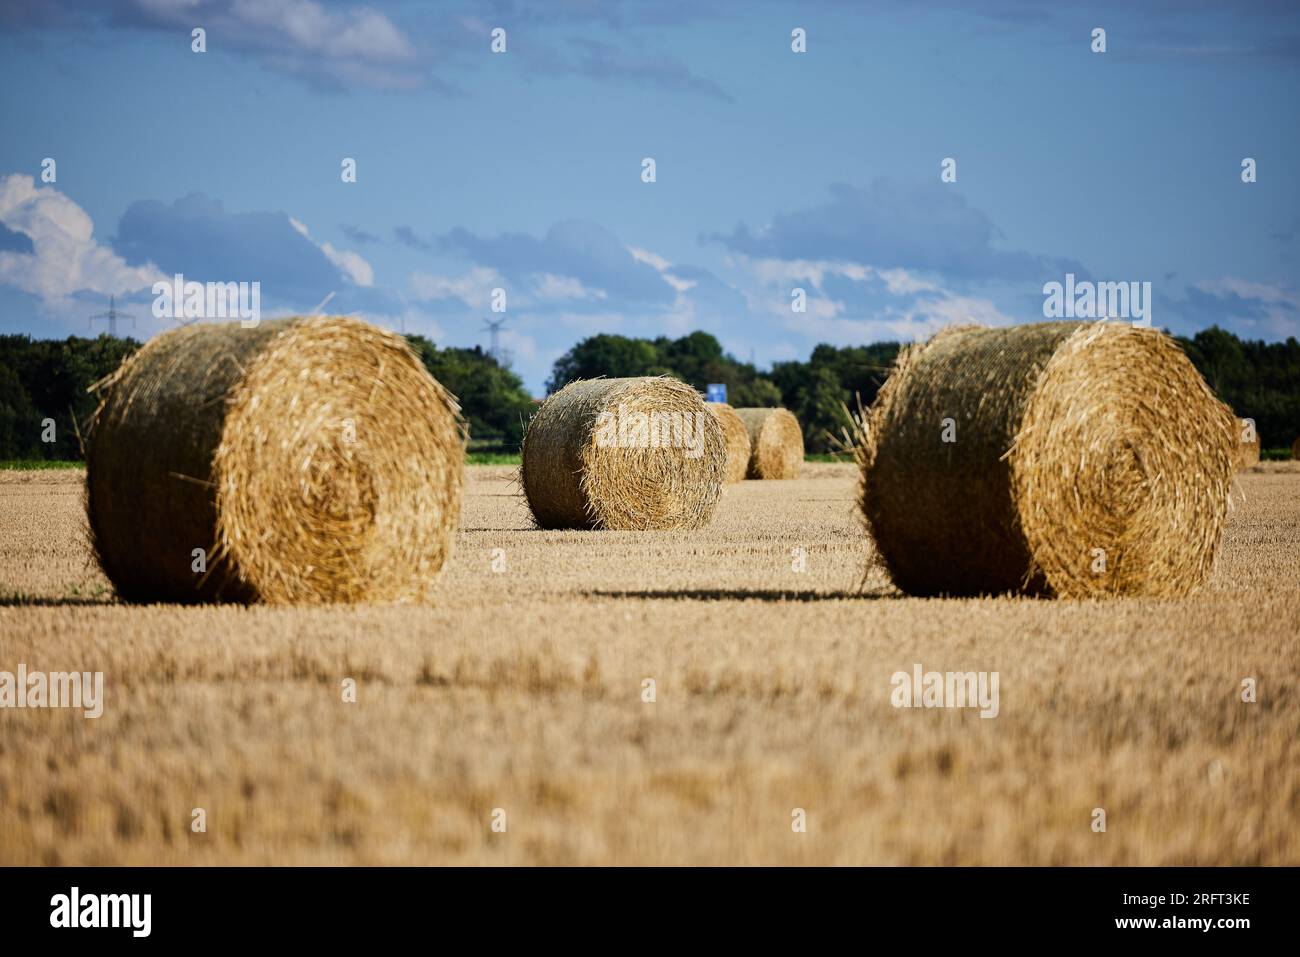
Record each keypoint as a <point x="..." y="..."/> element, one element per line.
<point x="897" y="281"/>
<point x="550" y="288"/>
<point x="472" y="288"/>
<point x="1246" y="289"/>
<point x="349" y="263"/>
<point x="899" y="323"/>
<point x="772" y="271"/>
<point x="352" y="265"/>
<point x="65" y="258"/>
<point x="409" y="321"/>
<point x="904" y="305"/>
<point x="900" y="282"/>
<point x="645" y="256"/>
<point x="306" y="25"/>
<point x="660" y="264"/>
<point x="948" y="309"/>
<point x="300" y="37"/>
<point x="1279" y="303"/>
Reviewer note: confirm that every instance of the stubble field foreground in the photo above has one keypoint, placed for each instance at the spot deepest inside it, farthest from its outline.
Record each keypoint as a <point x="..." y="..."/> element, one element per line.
<point x="523" y="690"/>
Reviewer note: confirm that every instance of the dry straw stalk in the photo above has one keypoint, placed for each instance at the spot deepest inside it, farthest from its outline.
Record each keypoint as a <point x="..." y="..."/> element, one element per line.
<point x="776" y="443"/>
<point x="737" y="438"/>
<point x="311" y="459"/>
<point x="1085" y="459"/>
<point x="637" y="453"/>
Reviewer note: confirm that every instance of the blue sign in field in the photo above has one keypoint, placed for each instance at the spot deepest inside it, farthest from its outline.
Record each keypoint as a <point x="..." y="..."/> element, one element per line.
<point x="716" y="392"/>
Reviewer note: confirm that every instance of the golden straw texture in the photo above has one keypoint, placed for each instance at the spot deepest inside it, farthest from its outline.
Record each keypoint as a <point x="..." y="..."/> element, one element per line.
<point x="638" y="453"/>
<point x="737" y="438"/>
<point x="312" y="460"/>
<point x="1071" y="459"/>
<point x="776" y="443"/>
<point x="1246" y="452"/>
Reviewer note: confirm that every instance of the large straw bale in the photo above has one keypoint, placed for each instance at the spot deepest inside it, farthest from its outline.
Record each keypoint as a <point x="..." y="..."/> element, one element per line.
<point x="309" y="459"/>
<point x="637" y="453"/>
<point x="776" y="443"/>
<point x="1246" y="452"/>
<point x="1059" y="458"/>
<point x="737" y="437"/>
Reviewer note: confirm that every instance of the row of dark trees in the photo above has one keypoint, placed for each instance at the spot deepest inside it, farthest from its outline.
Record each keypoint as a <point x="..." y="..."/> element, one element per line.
<point x="1259" y="380"/>
<point x="45" y="381"/>
<point x="43" y="391"/>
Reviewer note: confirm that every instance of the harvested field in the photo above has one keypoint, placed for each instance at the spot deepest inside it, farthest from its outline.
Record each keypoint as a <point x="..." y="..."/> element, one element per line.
<point x="522" y="690"/>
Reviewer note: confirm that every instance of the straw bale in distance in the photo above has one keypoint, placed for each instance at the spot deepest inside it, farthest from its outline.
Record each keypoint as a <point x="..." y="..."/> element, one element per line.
<point x="776" y="443"/>
<point x="1246" y="453"/>
<point x="312" y="459"/>
<point x="737" y="437"/>
<point x="635" y="453"/>
<point x="1085" y="459"/>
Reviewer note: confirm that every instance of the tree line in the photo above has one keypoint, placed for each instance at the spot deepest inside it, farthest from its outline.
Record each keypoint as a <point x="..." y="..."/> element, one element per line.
<point x="45" y="405"/>
<point x="1258" y="380"/>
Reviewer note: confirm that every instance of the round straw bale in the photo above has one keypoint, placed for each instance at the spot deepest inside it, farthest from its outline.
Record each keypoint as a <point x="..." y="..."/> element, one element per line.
<point x="1058" y="458"/>
<point x="312" y="460"/>
<point x="737" y="438"/>
<point x="639" y="453"/>
<point x="1246" y="451"/>
<point x="776" y="443"/>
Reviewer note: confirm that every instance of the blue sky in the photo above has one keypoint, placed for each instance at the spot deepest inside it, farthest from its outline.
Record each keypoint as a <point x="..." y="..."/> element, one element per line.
<point x="775" y="170"/>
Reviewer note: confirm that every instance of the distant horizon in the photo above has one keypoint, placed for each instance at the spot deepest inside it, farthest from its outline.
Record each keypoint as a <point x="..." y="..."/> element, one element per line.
<point x="541" y="394"/>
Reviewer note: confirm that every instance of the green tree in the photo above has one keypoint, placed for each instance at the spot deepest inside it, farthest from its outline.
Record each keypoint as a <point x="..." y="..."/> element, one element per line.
<point x="56" y="376"/>
<point x="43" y="378"/>
<point x="492" y="397"/>
<point x="611" y="356"/>
<point x="817" y="391"/>
<point x="697" y="359"/>
<point x="1258" y="380"/>
<point x="20" y="423"/>
<point x="756" y="392"/>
